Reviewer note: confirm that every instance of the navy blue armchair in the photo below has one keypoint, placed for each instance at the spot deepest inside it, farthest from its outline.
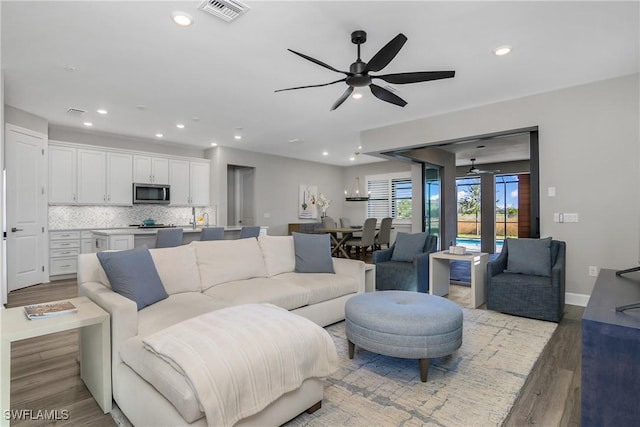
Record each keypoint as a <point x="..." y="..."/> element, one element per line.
<point x="534" y="296"/>
<point x="404" y="276"/>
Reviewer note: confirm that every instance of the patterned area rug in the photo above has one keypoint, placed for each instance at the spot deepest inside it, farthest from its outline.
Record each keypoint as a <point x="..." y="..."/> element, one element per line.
<point x="475" y="386"/>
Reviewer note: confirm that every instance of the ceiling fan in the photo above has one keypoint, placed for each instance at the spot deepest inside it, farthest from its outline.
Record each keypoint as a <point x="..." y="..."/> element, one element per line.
<point x="358" y="74"/>
<point x="473" y="170"/>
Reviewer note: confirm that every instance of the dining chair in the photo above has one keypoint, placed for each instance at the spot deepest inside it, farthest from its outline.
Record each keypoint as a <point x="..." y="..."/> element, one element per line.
<point x="366" y="240"/>
<point x="384" y="235"/>
<point x="345" y="223"/>
<point x="328" y="222"/>
<point x="249" y="231"/>
<point x="212" y="233"/>
<point x="169" y="237"/>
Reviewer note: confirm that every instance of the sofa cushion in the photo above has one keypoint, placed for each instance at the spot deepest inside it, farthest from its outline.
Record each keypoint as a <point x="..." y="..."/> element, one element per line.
<point x="321" y="286"/>
<point x="313" y="253"/>
<point x="176" y="308"/>
<point x="278" y="253"/>
<point x="133" y="274"/>
<point x="260" y="290"/>
<point x="407" y="246"/>
<point x="222" y="261"/>
<point x="529" y="256"/>
<point x="178" y="268"/>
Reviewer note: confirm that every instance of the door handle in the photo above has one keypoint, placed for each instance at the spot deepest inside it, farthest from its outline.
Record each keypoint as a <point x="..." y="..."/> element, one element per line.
<point x="13" y="229"/>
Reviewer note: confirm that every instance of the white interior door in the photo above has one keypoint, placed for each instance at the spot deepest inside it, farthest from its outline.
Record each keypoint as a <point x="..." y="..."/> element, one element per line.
<point x="26" y="207"/>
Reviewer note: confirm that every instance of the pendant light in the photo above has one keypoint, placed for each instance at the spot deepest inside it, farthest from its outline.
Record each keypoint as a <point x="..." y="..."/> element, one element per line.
<point x="357" y="193"/>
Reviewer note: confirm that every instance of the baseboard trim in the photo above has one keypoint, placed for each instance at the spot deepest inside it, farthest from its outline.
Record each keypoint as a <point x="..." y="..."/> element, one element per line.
<point x="576" y="299"/>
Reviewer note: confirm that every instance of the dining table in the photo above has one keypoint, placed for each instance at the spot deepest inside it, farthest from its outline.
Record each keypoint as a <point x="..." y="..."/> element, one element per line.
<point x="345" y="234"/>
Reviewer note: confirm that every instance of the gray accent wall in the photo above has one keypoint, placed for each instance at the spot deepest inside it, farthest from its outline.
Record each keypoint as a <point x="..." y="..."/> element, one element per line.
<point x="589" y="141"/>
<point x="277" y="181"/>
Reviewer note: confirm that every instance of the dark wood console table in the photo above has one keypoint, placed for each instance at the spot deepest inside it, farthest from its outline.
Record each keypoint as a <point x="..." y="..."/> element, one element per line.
<point x="611" y="353"/>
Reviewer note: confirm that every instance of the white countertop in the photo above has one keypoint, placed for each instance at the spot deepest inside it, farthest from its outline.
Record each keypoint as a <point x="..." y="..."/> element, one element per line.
<point x="146" y="231"/>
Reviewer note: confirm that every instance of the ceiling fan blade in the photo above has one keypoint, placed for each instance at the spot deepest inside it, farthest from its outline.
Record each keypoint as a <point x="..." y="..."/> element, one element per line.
<point x="304" y="87"/>
<point x="385" y="95"/>
<point x="386" y="54"/>
<point x="343" y="98"/>
<point x="420" y="76"/>
<point x="315" y="61"/>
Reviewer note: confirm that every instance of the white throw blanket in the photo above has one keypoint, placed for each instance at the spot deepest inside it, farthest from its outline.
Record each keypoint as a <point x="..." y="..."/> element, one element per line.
<point x="240" y="359"/>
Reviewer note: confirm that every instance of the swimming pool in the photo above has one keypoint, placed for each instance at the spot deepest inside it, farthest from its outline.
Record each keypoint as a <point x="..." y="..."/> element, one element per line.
<point x="474" y="244"/>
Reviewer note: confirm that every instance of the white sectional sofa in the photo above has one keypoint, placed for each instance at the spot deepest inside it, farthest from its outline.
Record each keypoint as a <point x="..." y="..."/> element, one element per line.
<point x="202" y="277"/>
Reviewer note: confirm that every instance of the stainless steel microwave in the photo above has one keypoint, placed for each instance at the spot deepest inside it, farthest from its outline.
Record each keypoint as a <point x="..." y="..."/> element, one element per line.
<point x="151" y="193"/>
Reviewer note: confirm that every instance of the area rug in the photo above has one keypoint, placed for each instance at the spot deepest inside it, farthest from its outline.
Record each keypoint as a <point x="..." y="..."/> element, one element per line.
<point x="475" y="386"/>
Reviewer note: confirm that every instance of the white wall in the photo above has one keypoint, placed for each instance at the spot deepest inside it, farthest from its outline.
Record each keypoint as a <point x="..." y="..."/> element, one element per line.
<point x="589" y="151"/>
<point x="277" y="181"/>
<point x="3" y="264"/>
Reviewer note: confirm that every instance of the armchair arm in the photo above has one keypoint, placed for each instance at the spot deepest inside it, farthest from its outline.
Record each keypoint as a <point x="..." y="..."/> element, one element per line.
<point x="382" y="255"/>
<point x="421" y="266"/>
<point x="497" y="266"/>
<point x="353" y="268"/>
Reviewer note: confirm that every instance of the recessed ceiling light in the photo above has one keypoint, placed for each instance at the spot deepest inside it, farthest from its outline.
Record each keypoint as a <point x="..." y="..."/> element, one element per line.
<point x="356" y="95"/>
<point x="502" y="50"/>
<point x="352" y="158"/>
<point x="214" y="144"/>
<point x="88" y="124"/>
<point x="141" y="107"/>
<point x="325" y="153"/>
<point x="195" y="119"/>
<point x="70" y="68"/>
<point x="180" y="126"/>
<point x="159" y="135"/>
<point x="237" y="134"/>
<point x="292" y="140"/>
<point x="237" y="137"/>
<point x="182" y="19"/>
<point x="101" y="111"/>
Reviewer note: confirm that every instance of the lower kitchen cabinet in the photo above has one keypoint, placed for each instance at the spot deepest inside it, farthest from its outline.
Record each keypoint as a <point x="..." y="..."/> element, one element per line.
<point x="117" y="242"/>
<point x="64" y="247"/>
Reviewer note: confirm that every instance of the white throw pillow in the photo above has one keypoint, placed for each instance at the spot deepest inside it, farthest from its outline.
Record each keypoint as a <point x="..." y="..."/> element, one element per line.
<point x="177" y="268"/>
<point x="222" y="261"/>
<point x="278" y="253"/>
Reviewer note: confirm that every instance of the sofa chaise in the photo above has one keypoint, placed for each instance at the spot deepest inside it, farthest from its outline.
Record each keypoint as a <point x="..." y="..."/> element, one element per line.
<point x="200" y="278"/>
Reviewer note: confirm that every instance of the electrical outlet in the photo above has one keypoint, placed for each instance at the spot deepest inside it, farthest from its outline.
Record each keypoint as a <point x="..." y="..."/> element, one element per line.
<point x="266" y="215"/>
<point x="593" y="270"/>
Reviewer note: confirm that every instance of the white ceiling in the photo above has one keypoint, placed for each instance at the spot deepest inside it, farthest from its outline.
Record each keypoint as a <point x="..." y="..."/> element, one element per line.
<point x="131" y="53"/>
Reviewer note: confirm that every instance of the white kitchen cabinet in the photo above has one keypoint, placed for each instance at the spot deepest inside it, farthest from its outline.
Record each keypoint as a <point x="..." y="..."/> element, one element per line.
<point x="62" y="175"/>
<point x="179" y="181"/>
<point x="119" y="179"/>
<point x="104" y="178"/>
<point x="150" y="170"/>
<point x="189" y="183"/>
<point x="86" y="242"/>
<point x="119" y="242"/>
<point x="92" y="177"/>
<point x="64" y="247"/>
<point x="199" y="183"/>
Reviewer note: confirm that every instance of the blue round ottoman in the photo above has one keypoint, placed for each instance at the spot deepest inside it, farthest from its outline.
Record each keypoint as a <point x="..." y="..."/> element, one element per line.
<point x="406" y="324"/>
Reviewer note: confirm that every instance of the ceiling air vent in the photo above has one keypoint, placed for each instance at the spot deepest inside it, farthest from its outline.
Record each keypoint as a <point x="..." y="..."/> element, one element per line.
<point x="75" y="111"/>
<point x="227" y="10"/>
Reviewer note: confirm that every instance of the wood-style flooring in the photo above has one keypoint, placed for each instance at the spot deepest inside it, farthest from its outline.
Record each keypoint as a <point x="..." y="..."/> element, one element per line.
<point x="45" y="374"/>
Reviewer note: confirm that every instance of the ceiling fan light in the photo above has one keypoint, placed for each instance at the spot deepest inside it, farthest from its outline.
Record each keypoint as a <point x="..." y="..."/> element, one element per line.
<point x="356" y="95"/>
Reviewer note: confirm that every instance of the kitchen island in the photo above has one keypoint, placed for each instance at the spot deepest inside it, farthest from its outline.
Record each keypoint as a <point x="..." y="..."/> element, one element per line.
<point x="128" y="238"/>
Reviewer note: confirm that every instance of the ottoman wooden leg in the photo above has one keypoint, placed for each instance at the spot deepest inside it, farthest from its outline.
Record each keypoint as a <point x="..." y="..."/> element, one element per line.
<point x="424" y="369"/>
<point x="352" y="349"/>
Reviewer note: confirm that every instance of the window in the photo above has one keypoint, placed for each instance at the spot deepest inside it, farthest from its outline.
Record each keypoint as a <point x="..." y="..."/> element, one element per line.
<point x="390" y="195"/>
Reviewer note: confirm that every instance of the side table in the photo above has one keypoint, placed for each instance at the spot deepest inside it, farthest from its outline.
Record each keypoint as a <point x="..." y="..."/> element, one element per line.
<point x="95" y="347"/>
<point x="439" y="274"/>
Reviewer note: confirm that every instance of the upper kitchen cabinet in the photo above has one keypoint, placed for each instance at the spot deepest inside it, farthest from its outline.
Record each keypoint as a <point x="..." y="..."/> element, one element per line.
<point x="150" y="170"/>
<point x="62" y="175"/>
<point x="189" y="182"/>
<point x="104" y="177"/>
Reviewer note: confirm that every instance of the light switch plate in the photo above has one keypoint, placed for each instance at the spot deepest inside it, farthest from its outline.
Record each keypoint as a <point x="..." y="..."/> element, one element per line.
<point x="571" y="217"/>
<point x="551" y="191"/>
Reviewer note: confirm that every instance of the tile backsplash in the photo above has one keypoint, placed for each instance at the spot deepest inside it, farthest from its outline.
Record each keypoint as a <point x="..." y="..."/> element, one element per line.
<point x="69" y="217"/>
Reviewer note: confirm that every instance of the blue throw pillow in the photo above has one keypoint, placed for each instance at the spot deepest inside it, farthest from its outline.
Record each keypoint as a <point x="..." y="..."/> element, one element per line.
<point x="133" y="274"/>
<point x="407" y="246"/>
<point x="313" y="253"/>
<point x="529" y="256"/>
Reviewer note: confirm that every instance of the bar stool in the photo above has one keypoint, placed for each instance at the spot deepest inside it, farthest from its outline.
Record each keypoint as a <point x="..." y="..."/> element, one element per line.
<point x="169" y="237"/>
<point x="247" y="232"/>
<point x="212" y="233"/>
